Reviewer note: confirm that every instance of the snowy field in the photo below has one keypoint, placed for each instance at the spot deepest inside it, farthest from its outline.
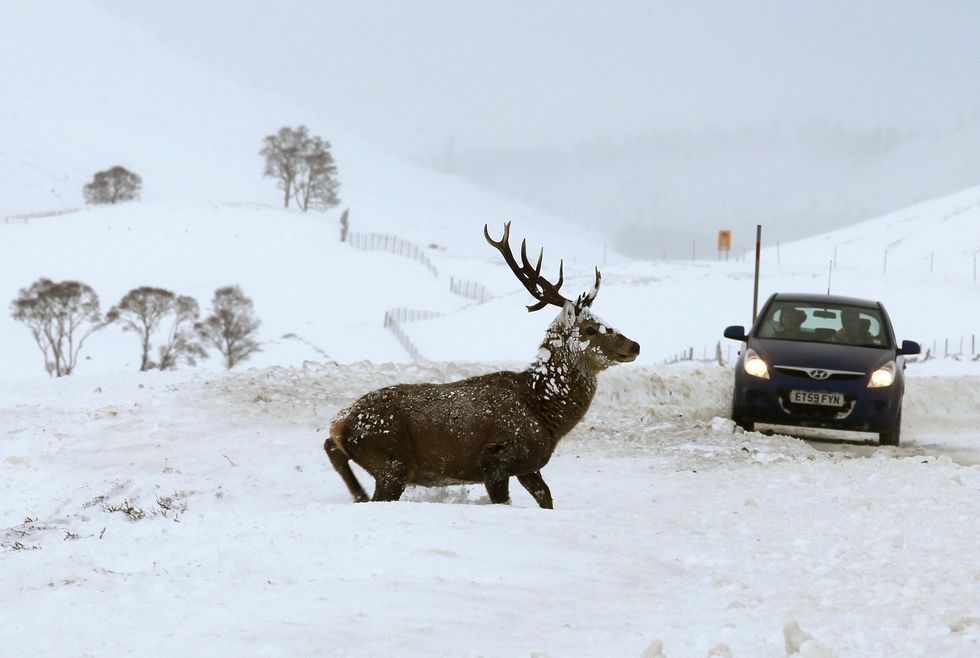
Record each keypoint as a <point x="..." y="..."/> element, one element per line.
<point x="176" y="514"/>
<point x="194" y="513"/>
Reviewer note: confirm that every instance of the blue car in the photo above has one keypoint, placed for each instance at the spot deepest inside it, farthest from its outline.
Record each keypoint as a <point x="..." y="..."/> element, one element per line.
<point x="821" y="361"/>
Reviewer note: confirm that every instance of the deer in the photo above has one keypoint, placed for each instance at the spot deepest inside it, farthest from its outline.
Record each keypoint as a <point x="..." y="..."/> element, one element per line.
<point x="489" y="428"/>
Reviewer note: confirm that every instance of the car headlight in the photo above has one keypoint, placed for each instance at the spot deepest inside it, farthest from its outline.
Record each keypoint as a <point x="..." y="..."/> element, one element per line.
<point x="883" y="376"/>
<point x="754" y="365"/>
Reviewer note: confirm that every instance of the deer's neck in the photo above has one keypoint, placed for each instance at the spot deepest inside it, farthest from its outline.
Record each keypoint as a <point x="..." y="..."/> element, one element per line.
<point x="561" y="387"/>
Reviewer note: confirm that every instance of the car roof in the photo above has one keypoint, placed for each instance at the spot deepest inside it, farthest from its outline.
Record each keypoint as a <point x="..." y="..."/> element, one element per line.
<point x="811" y="298"/>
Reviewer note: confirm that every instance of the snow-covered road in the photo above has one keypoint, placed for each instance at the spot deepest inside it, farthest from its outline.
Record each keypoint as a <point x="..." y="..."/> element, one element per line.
<point x="195" y="514"/>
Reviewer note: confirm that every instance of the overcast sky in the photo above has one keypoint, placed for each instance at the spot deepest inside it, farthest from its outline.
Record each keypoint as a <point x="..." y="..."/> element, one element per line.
<point x="411" y="75"/>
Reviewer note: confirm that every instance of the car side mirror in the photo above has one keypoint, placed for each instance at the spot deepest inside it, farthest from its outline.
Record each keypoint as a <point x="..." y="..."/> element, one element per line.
<point x="910" y="347"/>
<point x="736" y="332"/>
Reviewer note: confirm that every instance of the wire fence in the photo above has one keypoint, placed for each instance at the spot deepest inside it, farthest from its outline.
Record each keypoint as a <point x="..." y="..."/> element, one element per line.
<point x="392" y="244"/>
<point x="957" y="347"/>
<point x="27" y="217"/>
<point x="393" y="321"/>
<point x="713" y="355"/>
<point x="469" y="289"/>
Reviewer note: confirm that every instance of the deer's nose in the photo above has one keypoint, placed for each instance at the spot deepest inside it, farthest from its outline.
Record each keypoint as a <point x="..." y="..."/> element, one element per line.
<point x="635" y="348"/>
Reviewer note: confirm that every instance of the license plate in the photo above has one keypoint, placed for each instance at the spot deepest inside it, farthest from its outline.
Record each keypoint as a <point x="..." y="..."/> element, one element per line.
<point x="816" y="397"/>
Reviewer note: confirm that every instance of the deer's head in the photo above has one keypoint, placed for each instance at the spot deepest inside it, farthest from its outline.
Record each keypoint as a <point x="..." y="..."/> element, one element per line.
<point x="575" y="330"/>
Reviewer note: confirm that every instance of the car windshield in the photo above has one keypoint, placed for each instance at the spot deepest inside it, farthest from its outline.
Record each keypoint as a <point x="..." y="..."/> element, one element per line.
<point x="824" y="323"/>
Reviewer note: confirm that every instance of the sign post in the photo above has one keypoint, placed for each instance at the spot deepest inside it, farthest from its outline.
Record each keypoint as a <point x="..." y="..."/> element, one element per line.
<point x="755" y="292"/>
<point x="724" y="243"/>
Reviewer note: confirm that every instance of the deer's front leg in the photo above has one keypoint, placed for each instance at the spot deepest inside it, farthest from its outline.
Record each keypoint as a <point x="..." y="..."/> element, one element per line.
<point x="498" y="490"/>
<point x="536" y="486"/>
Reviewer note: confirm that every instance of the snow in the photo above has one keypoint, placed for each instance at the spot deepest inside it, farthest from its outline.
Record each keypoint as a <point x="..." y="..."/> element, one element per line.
<point x="670" y="526"/>
<point x="195" y="513"/>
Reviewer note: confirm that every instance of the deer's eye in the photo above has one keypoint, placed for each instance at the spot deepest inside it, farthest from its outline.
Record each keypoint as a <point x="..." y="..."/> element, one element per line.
<point x="590" y="331"/>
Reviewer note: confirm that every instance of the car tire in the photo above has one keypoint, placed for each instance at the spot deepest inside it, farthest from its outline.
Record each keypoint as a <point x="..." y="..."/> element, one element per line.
<point x="892" y="435"/>
<point x="746" y="425"/>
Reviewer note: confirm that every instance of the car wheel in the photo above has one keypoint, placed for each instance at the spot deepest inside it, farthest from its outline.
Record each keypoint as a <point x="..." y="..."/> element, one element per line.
<point x="892" y="435"/>
<point x="746" y="425"/>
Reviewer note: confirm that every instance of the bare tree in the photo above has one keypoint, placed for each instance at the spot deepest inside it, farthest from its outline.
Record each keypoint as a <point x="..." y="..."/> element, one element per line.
<point x="317" y="184"/>
<point x="231" y="326"/>
<point x="61" y="316"/>
<point x="182" y="340"/>
<point x="304" y="167"/>
<point x="113" y="185"/>
<point x="282" y="153"/>
<point x="143" y="310"/>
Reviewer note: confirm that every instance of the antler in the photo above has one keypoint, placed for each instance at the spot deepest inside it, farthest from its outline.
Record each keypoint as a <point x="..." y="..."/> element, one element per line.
<point x="586" y="298"/>
<point x="540" y="288"/>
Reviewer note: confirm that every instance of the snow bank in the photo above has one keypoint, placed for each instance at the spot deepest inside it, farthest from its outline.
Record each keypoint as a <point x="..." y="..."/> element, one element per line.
<point x="181" y="513"/>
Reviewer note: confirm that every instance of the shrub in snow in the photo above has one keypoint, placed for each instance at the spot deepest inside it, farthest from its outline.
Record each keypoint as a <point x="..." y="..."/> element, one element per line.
<point x="145" y="310"/>
<point x="113" y="185"/>
<point x="800" y="644"/>
<point x="303" y="166"/>
<point x="60" y="316"/>
<point x="231" y="326"/>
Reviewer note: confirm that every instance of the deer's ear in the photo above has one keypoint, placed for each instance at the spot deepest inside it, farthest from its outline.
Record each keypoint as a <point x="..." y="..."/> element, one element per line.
<point x="567" y="315"/>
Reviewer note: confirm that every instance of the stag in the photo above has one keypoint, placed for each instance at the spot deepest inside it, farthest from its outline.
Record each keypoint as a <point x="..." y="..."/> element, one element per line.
<point x="488" y="428"/>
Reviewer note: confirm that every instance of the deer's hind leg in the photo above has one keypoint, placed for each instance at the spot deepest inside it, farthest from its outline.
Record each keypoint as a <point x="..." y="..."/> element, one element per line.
<point x="341" y="463"/>
<point x="379" y="445"/>
<point x="386" y="458"/>
<point x="497" y="465"/>
<point x="388" y="488"/>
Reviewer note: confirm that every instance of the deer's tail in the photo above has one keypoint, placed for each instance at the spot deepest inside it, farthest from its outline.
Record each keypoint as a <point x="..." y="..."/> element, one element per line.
<point x="334" y="447"/>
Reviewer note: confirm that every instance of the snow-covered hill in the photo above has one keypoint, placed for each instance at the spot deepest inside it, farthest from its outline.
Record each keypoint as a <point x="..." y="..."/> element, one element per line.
<point x="90" y="91"/>
<point x="939" y="238"/>
<point x="208" y="219"/>
<point x="927" y="285"/>
<point x="331" y="298"/>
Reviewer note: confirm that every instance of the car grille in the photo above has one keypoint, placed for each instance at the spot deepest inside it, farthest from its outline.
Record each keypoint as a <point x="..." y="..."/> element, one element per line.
<point x="804" y="373"/>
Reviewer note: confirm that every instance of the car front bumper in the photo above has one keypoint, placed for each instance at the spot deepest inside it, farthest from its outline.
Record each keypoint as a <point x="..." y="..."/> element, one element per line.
<point x="768" y="401"/>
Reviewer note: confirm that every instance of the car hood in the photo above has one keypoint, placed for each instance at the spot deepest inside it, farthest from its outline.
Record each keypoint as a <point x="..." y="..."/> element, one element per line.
<point x="829" y="356"/>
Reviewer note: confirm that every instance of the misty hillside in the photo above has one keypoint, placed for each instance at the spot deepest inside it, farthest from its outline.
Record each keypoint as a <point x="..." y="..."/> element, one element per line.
<point x="210" y="221"/>
<point x="322" y="300"/>
<point x="92" y="91"/>
<point x="666" y="193"/>
<point x="207" y="217"/>
<point x="939" y="237"/>
<point x="928" y="286"/>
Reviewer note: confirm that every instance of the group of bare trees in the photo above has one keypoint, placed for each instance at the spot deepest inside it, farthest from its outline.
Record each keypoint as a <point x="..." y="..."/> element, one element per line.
<point x="303" y="166"/>
<point x="62" y="315"/>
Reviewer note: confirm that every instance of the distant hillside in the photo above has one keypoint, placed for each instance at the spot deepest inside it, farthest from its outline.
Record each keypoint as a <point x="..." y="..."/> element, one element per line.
<point x="104" y="92"/>
<point x="940" y="237"/>
<point x="88" y="91"/>
<point x="667" y="193"/>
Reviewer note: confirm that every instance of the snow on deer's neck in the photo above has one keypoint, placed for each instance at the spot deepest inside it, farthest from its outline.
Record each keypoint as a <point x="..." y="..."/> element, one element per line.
<point x="563" y="378"/>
